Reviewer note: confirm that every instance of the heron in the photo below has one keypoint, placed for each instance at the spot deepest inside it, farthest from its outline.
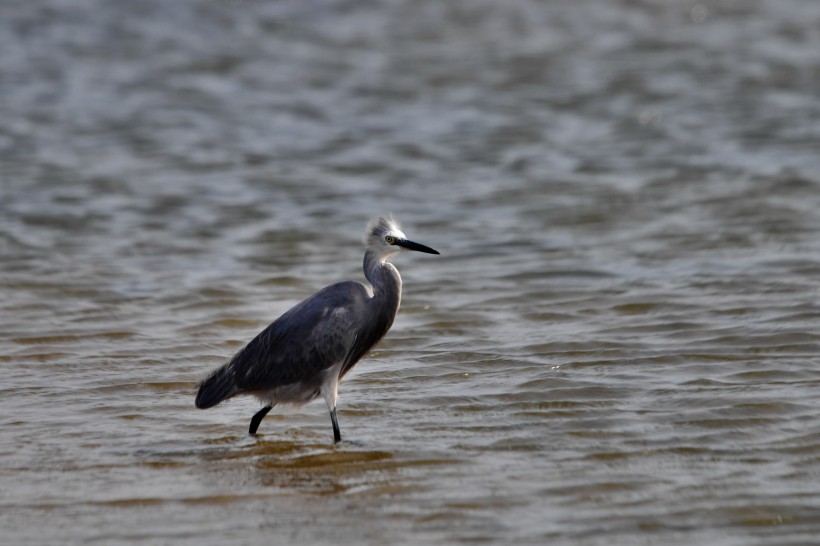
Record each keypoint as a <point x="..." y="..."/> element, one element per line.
<point x="307" y="351"/>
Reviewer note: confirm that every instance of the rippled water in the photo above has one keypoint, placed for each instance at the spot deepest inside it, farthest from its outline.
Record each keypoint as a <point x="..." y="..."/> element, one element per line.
<point x="618" y="345"/>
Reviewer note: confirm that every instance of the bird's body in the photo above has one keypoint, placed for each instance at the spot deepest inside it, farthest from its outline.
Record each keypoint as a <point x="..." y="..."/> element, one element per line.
<point x="306" y="352"/>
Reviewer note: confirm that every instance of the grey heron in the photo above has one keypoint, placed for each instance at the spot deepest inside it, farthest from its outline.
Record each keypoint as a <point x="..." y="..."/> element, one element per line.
<point x="306" y="352"/>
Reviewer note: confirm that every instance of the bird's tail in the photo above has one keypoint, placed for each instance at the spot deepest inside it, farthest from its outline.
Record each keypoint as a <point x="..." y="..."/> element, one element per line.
<point x="215" y="388"/>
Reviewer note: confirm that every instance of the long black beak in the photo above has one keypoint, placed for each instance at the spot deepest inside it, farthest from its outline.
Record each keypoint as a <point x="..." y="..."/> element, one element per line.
<point x="410" y="245"/>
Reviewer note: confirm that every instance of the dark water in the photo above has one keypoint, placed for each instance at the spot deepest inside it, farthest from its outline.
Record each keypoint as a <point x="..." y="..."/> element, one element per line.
<point x="619" y="344"/>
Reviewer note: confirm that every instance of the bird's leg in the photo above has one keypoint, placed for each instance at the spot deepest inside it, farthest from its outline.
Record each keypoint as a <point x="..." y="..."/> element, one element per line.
<point x="337" y="436"/>
<point x="257" y="418"/>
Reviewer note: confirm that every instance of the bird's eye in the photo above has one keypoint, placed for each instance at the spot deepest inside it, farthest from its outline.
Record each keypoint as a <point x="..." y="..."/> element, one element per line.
<point x="390" y="240"/>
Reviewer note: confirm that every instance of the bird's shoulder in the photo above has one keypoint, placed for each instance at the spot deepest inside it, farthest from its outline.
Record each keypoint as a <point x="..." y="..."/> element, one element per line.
<point x="340" y="294"/>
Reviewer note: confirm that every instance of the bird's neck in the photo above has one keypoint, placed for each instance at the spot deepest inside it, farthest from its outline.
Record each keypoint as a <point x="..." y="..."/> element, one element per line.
<point x="385" y="280"/>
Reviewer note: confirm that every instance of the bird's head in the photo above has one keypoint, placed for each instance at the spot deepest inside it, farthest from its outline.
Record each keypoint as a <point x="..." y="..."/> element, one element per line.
<point x="384" y="238"/>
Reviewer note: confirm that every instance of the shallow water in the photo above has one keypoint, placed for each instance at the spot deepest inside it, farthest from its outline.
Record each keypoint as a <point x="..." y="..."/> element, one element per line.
<point x="618" y="345"/>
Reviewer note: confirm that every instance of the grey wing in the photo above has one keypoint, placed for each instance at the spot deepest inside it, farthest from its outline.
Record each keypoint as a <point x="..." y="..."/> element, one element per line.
<point x="311" y="337"/>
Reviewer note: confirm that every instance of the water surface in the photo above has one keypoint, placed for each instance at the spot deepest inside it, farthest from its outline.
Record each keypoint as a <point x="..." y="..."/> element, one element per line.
<point x="618" y="345"/>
